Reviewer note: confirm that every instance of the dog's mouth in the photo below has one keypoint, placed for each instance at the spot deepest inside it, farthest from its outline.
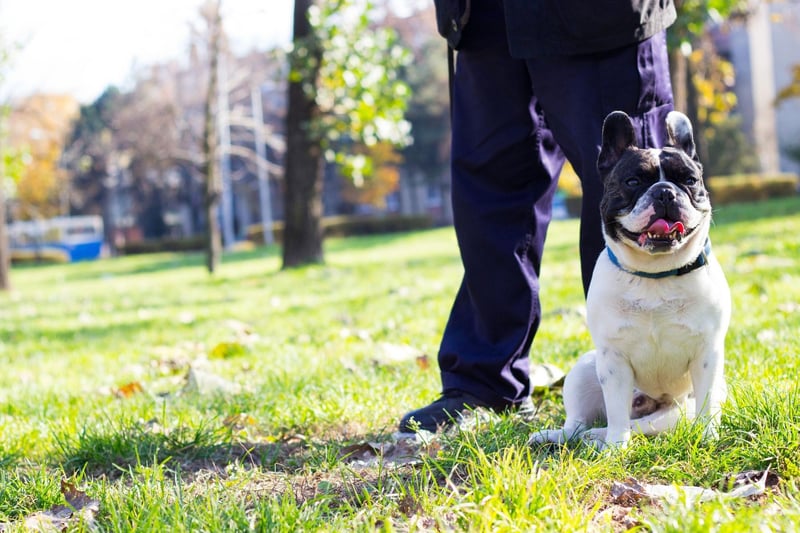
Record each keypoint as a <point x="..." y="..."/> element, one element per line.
<point x="660" y="234"/>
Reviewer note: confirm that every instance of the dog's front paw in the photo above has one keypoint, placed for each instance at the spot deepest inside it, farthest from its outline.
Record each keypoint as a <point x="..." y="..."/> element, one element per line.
<point x="552" y="436"/>
<point x="600" y="439"/>
<point x="548" y="436"/>
<point x="595" y="437"/>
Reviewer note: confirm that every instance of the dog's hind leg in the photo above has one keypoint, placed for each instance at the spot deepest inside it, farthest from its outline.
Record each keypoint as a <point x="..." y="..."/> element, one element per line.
<point x="583" y="402"/>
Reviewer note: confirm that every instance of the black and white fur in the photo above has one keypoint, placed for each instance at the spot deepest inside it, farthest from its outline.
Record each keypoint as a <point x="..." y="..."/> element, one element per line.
<point x="659" y="341"/>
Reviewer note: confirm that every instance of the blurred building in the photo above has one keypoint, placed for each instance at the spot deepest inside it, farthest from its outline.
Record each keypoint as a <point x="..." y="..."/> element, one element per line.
<point x="764" y="48"/>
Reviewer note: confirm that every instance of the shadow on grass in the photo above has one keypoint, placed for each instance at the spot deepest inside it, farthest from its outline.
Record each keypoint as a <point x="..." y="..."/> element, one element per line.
<point x="114" y="451"/>
<point x="162" y="262"/>
<point x="85" y="333"/>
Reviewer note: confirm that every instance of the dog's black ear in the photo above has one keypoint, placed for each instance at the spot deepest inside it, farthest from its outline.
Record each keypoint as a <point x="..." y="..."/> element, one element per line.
<point x="618" y="136"/>
<point x="679" y="130"/>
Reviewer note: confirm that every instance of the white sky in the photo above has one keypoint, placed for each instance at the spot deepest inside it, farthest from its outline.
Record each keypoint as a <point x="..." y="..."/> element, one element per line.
<point x="82" y="46"/>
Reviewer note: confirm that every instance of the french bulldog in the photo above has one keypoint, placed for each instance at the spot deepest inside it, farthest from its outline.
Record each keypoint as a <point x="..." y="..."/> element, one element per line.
<point x="658" y="306"/>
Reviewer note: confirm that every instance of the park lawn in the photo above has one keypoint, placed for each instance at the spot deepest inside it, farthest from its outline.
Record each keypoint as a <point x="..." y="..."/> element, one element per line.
<point x="256" y="399"/>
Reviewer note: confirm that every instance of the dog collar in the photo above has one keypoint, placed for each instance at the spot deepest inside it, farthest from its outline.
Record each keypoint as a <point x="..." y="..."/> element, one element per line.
<point x="701" y="260"/>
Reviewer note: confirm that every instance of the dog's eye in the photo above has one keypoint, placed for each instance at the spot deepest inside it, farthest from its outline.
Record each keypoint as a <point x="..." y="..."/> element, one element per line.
<point x="633" y="182"/>
<point x="690" y="181"/>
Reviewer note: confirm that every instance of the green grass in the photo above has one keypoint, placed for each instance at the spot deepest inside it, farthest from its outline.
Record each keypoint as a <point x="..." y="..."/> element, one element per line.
<point x="292" y="368"/>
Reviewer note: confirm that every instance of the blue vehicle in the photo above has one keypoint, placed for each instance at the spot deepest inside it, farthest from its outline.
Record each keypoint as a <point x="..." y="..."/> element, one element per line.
<point x="62" y="239"/>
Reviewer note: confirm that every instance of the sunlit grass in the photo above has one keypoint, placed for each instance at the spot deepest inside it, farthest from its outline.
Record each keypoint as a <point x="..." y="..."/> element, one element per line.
<point x="183" y="402"/>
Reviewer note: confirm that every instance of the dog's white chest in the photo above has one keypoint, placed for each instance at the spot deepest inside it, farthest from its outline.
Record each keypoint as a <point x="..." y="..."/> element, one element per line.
<point x="656" y="327"/>
<point x="658" y="339"/>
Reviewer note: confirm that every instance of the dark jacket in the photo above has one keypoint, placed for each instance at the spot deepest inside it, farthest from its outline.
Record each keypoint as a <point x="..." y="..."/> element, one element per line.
<point x="563" y="27"/>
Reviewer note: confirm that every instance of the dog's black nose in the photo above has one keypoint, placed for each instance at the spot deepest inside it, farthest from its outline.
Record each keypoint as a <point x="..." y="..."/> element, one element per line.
<point x="663" y="192"/>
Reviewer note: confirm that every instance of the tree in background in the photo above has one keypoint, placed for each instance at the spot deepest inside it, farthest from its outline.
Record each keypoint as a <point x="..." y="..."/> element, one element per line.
<point x="137" y="156"/>
<point x="5" y="160"/>
<point x="383" y="175"/>
<point x="40" y="124"/>
<point x="790" y="91"/>
<point x="721" y="144"/>
<point x="690" y="27"/>
<point x="10" y="168"/>
<point x="89" y="157"/>
<point x="702" y="81"/>
<point x="426" y="161"/>
<point x="210" y="168"/>
<point x="344" y="90"/>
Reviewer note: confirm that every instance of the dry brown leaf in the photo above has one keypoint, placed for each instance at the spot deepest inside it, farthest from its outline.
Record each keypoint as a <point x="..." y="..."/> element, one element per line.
<point x="79" y="500"/>
<point x="239" y="421"/>
<point x="748" y="484"/>
<point x="400" y="451"/>
<point x="618" y="516"/>
<point x="762" y="477"/>
<point x="387" y="353"/>
<point x="128" y="390"/>
<point x="80" y="509"/>
<point x="363" y="451"/>
<point x="628" y="493"/>
<point x="423" y="362"/>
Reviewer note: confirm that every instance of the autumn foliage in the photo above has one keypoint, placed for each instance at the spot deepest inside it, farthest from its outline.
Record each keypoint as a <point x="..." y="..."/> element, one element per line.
<point x="384" y="178"/>
<point x="40" y="125"/>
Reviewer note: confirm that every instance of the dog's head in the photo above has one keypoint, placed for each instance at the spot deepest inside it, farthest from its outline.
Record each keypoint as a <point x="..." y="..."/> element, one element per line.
<point x="655" y="208"/>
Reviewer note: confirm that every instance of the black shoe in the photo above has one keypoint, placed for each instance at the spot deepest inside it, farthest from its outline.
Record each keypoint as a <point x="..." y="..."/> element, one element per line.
<point x="445" y="411"/>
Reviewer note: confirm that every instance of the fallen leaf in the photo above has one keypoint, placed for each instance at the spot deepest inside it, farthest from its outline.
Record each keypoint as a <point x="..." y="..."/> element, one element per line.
<point x="766" y="335"/>
<point x="631" y="492"/>
<point x="128" y="390"/>
<point x="750" y="483"/>
<point x="239" y="328"/>
<point x="546" y="376"/>
<point x="79" y="500"/>
<point x="80" y="509"/>
<point x="388" y="353"/>
<point x="186" y="317"/>
<point x="618" y="515"/>
<point x="203" y="382"/>
<point x="363" y="451"/>
<point x="403" y="449"/>
<point x="153" y="426"/>
<point x="673" y="493"/>
<point x="423" y="362"/>
<point x="239" y="421"/>
<point x="770" y="479"/>
<point x="628" y="493"/>
<point x="226" y="350"/>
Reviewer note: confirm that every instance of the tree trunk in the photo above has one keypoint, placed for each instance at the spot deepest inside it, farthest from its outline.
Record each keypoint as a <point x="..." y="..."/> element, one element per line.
<point x="679" y="67"/>
<point x="5" y="252"/>
<point x="302" y="237"/>
<point x="692" y="111"/>
<point x="213" y="188"/>
<point x="685" y="96"/>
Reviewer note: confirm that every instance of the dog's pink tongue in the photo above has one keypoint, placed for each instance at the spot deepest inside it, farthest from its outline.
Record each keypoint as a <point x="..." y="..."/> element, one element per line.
<point x="662" y="227"/>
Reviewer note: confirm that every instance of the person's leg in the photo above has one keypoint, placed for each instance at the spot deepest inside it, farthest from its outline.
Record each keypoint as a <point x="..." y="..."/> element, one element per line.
<point x="577" y="93"/>
<point x="505" y="166"/>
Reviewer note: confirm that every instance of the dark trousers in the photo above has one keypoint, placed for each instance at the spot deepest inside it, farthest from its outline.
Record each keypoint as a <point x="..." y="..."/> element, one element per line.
<point x="514" y="122"/>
